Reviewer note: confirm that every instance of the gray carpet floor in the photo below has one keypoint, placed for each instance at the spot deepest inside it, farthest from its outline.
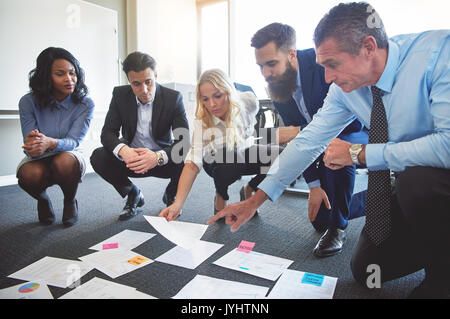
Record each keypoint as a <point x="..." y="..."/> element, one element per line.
<point x="281" y="229"/>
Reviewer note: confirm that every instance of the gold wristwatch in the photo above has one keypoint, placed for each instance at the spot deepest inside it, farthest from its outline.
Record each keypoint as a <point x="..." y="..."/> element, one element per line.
<point x="354" y="150"/>
<point x="160" y="159"/>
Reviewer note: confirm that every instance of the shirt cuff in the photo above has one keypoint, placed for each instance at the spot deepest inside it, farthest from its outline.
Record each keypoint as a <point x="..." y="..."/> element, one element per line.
<point x="117" y="149"/>
<point x="165" y="157"/>
<point x="375" y="157"/>
<point x="272" y="188"/>
<point x="59" y="146"/>
<point x="313" y="184"/>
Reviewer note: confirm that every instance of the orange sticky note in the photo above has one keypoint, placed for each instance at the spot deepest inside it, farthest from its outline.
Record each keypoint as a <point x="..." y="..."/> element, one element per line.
<point x="246" y="246"/>
<point x="137" y="260"/>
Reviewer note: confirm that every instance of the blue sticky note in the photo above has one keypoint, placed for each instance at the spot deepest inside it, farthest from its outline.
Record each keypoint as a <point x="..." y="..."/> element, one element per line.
<point x="313" y="279"/>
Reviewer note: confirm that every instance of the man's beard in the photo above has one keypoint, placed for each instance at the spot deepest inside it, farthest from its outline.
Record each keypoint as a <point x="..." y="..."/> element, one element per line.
<point x="282" y="89"/>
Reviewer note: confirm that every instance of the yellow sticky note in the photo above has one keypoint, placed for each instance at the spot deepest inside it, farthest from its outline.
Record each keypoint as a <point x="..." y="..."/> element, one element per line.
<point x="137" y="260"/>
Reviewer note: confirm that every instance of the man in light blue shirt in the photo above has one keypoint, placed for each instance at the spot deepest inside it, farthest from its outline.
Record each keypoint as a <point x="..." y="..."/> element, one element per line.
<point x="413" y="74"/>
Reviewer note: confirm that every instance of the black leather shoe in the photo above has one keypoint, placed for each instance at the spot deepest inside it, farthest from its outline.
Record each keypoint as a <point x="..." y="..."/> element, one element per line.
<point x="45" y="212"/>
<point x="70" y="213"/>
<point x="131" y="207"/>
<point x="330" y="243"/>
<point x="168" y="199"/>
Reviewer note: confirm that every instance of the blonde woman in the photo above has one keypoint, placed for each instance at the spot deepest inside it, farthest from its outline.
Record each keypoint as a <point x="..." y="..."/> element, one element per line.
<point x="223" y="142"/>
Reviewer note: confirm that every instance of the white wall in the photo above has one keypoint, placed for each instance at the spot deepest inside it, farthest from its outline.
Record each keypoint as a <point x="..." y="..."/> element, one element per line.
<point x="167" y="30"/>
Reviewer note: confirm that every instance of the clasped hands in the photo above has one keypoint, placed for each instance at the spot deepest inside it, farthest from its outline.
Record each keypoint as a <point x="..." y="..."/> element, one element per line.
<point x="138" y="160"/>
<point x="37" y="143"/>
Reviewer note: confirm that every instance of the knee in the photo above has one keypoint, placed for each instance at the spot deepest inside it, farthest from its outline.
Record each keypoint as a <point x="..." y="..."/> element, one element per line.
<point x="225" y="174"/>
<point x="97" y="158"/>
<point x="64" y="165"/>
<point x="359" y="269"/>
<point x="414" y="188"/>
<point x="30" y="177"/>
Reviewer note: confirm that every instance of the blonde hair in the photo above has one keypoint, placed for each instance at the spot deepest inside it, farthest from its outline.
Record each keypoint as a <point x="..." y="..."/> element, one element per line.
<point x="222" y="82"/>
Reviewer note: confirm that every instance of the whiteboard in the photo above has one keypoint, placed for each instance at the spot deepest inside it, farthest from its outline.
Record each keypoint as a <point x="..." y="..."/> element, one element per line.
<point x="88" y="31"/>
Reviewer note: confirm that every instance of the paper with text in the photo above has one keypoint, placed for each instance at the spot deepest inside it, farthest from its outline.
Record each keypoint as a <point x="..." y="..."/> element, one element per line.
<point x="27" y="290"/>
<point x="204" y="287"/>
<point x="54" y="271"/>
<point x="254" y="263"/>
<point x="115" y="262"/>
<point x="98" y="288"/>
<point x="126" y="240"/>
<point x="295" y="284"/>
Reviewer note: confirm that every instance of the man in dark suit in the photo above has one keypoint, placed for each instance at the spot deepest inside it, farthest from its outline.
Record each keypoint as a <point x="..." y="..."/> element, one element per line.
<point x="147" y="114"/>
<point x="297" y="87"/>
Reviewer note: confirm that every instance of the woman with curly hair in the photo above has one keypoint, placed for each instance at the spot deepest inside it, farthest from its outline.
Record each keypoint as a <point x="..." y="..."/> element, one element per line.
<point x="55" y="117"/>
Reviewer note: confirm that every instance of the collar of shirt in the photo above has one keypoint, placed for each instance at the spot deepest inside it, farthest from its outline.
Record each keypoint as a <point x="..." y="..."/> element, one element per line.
<point x="65" y="104"/>
<point x="217" y="121"/>
<point x="149" y="104"/>
<point x="386" y="81"/>
<point x="298" y="91"/>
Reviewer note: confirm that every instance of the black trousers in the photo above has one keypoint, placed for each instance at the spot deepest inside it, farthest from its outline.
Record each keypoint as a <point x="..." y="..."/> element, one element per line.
<point x="226" y="167"/>
<point x="421" y="230"/>
<point x="115" y="172"/>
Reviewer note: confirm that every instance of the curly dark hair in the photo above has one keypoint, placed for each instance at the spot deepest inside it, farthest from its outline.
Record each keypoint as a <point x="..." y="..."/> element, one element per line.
<point x="40" y="81"/>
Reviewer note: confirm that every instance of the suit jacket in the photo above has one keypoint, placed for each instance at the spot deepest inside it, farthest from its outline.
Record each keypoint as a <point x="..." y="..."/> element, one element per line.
<point x="315" y="89"/>
<point x="168" y="114"/>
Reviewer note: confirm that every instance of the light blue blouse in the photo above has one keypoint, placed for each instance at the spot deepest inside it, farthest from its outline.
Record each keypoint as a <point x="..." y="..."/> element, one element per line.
<point x="68" y="122"/>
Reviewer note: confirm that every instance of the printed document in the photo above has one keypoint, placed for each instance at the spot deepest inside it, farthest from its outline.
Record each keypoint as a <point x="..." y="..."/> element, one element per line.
<point x="254" y="263"/>
<point x="27" y="290"/>
<point x="295" y="284"/>
<point x="54" y="271"/>
<point x="98" y="288"/>
<point x="204" y="287"/>
<point x="116" y="262"/>
<point x="126" y="240"/>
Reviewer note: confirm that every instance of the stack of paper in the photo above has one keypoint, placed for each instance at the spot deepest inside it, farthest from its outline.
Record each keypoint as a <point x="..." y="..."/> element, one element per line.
<point x="203" y="287"/>
<point x="295" y="284"/>
<point x="98" y="288"/>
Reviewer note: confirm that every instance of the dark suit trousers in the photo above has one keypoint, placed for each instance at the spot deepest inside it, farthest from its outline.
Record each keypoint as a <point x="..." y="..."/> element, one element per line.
<point x="255" y="160"/>
<point x="420" y="235"/>
<point x="115" y="172"/>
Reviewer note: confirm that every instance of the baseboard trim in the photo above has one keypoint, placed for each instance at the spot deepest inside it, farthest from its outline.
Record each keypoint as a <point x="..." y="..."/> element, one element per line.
<point x="8" y="180"/>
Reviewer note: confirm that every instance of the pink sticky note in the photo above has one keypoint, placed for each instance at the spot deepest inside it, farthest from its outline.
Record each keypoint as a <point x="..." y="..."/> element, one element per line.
<point x="110" y="246"/>
<point x="246" y="246"/>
